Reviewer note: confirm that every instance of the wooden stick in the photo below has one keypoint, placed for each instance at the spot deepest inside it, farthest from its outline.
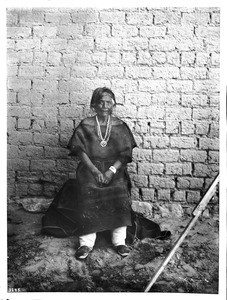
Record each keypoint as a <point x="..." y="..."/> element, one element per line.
<point x="197" y="212"/>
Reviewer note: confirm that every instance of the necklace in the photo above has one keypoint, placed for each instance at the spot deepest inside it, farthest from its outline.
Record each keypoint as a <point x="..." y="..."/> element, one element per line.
<point x="105" y="139"/>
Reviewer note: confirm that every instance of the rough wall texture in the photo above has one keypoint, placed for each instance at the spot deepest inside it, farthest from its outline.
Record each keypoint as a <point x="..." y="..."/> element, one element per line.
<point x="162" y="64"/>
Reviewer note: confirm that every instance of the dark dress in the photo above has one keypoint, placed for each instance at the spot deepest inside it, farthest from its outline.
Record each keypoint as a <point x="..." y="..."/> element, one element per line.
<point x="82" y="206"/>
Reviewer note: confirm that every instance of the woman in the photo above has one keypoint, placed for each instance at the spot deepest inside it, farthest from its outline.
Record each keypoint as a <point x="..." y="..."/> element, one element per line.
<point x="99" y="198"/>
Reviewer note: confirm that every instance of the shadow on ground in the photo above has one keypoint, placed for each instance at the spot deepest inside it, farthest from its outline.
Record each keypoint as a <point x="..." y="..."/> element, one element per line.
<point x="38" y="263"/>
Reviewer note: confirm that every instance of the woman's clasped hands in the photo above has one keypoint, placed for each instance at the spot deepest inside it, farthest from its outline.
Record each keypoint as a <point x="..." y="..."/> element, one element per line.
<point x="103" y="178"/>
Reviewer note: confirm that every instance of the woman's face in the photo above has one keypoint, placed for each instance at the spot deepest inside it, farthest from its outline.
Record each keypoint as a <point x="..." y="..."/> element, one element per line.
<point x="104" y="106"/>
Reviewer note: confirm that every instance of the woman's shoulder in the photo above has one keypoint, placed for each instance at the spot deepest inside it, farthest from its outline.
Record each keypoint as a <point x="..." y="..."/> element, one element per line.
<point x="116" y="121"/>
<point x="88" y="121"/>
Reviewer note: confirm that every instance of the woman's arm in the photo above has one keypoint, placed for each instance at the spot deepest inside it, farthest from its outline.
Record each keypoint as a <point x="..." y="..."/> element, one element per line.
<point x="109" y="174"/>
<point x="86" y="160"/>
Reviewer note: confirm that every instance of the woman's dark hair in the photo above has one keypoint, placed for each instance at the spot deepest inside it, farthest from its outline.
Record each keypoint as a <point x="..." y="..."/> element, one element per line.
<point x="98" y="94"/>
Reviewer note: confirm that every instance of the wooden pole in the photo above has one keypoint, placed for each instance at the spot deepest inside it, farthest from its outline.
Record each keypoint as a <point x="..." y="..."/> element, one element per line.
<point x="197" y="212"/>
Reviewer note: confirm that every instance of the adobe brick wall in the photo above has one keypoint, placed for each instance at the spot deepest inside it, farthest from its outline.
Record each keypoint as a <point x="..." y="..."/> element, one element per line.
<point x="162" y="64"/>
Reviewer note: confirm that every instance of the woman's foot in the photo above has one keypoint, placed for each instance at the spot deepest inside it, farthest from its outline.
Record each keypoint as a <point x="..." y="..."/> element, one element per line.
<point x="123" y="250"/>
<point x="82" y="252"/>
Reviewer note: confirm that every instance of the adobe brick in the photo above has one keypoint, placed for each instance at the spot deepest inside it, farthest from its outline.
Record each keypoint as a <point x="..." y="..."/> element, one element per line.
<point x="190" y="183"/>
<point x="42" y="165"/>
<point x="193" y="73"/>
<point x="173" y="58"/>
<point x="70" y="31"/>
<point x="129" y="58"/>
<point x="124" y="31"/>
<point x="193" y="155"/>
<point x="152" y="31"/>
<point x="213" y="157"/>
<point x="135" y="43"/>
<point x="49" y="44"/>
<point x="165" y="155"/>
<point x="30" y="151"/>
<point x="142" y="154"/>
<point x="149" y="85"/>
<point x="193" y="196"/>
<point x="140" y="18"/>
<point x="179" y="31"/>
<point x="203" y="170"/>
<point x="11" y="97"/>
<point x="161" y="182"/>
<point x="167" y="16"/>
<point x="206" y="114"/>
<point x="23" y="123"/>
<point x="174" y="85"/>
<point x="194" y="100"/>
<point x="84" y="71"/>
<point x="113" y="58"/>
<point x="187" y="128"/>
<point x="28" y="44"/>
<point x="195" y="18"/>
<point x="57" y="72"/>
<point x="19" y="111"/>
<point x="183" y="142"/>
<point x="57" y="18"/>
<point x="140" y="180"/>
<point x="202" y="59"/>
<point x="214" y="130"/>
<point x="46" y="139"/>
<point x="164" y="195"/>
<point x="177" y="169"/>
<point x="151" y="112"/>
<point x="31" y="16"/>
<point x="108" y="43"/>
<point x="55" y="98"/>
<point x="150" y="168"/>
<point x="125" y="85"/>
<point x="31" y="71"/>
<point x="178" y="113"/>
<point x="85" y="16"/>
<point x="39" y="58"/>
<point x="44" y="31"/>
<point x="17" y="164"/>
<point x="19" y="84"/>
<point x="209" y="143"/>
<point x="159" y="44"/>
<point x="97" y="30"/>
<point x="40" y="85"/>
<point x="207" y="31"/>
<point x="166" y="72"/>
<point x="138" y="72"/>
<point x="179" y="196"/>
<point x="20" y="138"/>
<point x="110" y="71"/>
<point x="188" y="58"/>
<point x="73" y="111"/>
<point x="156" y="142"/>
<point x="29" y="98"/>
<point x="147" y="194"/>
<point x="80" y="44"/>
<point x="18" y="32"/>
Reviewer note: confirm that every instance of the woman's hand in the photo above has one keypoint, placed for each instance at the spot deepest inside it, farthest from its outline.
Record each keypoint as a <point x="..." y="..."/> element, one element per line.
<point x="108" y="176"/>
<point x="99" y="177"/>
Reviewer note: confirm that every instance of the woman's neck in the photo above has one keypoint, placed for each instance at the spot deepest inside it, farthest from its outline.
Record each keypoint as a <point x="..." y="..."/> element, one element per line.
<point x="102" y="119"/>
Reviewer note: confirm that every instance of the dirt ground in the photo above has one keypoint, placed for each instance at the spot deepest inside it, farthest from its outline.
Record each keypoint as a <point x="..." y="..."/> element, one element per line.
<point x="38" y="263"/>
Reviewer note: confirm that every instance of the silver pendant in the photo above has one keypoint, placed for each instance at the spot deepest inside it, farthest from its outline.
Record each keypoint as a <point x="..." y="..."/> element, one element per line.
<point x="103" y="143"/>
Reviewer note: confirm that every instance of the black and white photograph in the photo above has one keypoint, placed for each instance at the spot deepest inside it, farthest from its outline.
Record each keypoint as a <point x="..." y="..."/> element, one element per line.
<point x="114" y="150"/>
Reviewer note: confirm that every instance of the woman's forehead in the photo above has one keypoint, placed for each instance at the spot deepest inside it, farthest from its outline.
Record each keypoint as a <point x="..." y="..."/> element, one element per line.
<point x="106" y="96"/>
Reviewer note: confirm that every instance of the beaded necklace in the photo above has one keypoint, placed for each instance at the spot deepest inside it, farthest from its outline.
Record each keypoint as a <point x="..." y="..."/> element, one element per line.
<point x="105" y="139"/>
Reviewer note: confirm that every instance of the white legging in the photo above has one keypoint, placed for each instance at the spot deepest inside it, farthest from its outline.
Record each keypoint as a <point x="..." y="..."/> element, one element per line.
<point x="118" y="237"/>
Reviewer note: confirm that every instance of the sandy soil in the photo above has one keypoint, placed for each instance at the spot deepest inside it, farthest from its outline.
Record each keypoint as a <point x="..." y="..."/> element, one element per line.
<point x="38" y="263"/>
